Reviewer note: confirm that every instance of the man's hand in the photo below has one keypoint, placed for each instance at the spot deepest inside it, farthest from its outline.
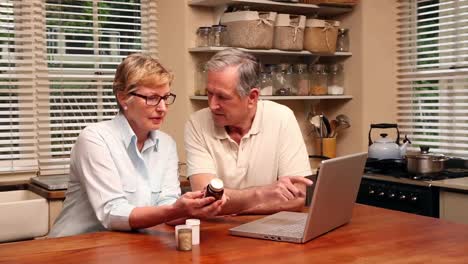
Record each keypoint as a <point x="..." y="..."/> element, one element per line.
<point x="284" y="189"/>
<point x="192" y="204"/>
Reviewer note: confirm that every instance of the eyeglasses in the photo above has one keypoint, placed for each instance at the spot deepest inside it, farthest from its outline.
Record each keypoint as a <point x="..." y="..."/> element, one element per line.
<point x="155" y="100"/>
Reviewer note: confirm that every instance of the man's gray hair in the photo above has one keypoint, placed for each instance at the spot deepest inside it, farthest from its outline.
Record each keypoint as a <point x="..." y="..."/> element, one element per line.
<point x="249" y="68"/>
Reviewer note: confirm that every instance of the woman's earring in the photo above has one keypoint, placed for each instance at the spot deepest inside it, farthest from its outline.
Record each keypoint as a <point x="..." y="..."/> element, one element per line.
<point x="125" y="108"/>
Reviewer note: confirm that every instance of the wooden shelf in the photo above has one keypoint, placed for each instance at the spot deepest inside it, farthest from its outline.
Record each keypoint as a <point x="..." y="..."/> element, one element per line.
<point x="281" y="7"/>
<point x="272" y="52"/>
<point x="277" y="98"/>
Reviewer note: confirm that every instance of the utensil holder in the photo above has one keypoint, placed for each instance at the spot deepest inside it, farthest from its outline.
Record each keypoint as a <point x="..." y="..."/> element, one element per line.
<point x="326" y="147"/>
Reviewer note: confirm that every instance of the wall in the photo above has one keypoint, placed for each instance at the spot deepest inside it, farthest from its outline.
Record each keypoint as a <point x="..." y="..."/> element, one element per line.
<point x="379" y="52"/>
<point x="370" y="72"/>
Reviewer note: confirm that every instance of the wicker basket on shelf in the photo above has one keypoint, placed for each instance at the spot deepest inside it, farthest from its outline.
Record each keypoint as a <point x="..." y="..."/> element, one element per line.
<point x="334" y="2"/>
<point x="320" y="35"/>
<point x="250" y="29"/>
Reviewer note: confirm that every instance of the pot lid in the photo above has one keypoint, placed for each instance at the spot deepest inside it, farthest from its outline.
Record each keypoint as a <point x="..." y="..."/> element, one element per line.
<point x="425" y="154"/>
<point x="383" y="139"/>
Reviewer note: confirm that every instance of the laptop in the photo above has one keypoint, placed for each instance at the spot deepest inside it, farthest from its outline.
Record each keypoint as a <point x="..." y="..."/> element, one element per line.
<point x="332" y="205"/>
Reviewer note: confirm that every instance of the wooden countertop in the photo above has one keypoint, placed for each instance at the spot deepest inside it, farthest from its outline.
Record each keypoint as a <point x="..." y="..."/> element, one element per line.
<point x="374" y="235"/>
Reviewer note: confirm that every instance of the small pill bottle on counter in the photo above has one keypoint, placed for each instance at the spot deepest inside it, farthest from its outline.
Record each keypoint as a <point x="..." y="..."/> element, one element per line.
<point x="183" y="234"/>
<point x="195" y="224"/>
<point x="215" y="189"/>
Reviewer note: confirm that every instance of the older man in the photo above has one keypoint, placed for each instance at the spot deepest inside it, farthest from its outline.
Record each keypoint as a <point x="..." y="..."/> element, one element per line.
<point x="255" y="147"/>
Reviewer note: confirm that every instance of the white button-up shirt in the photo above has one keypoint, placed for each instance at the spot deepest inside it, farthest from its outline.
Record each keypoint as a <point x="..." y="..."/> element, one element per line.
<point x="109" y="177"/>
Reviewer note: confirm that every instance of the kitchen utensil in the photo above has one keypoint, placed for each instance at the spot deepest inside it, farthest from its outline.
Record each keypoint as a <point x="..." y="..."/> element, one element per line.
<point x="343" y="123"/>
<point x="425" y="162"/>
<point x="314" y="120"/>
<point x="386" y="148"/>
<point x="333" y="126"/>
<point x="326" y="122"/>
<point x="341" y="118"/>
<point x="323" y="127"/>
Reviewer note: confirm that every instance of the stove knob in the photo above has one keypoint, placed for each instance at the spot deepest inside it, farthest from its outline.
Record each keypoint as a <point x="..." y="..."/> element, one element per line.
<point x="381" y="194"/>
<point x="402" y="197"/>
<point x="414" y="198"/>
<point x="391" y="195"/>
<point x="371" y="192"/>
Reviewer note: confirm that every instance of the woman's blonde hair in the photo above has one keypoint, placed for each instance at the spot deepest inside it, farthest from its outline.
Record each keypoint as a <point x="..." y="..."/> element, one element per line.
<point x="139" y="69"/>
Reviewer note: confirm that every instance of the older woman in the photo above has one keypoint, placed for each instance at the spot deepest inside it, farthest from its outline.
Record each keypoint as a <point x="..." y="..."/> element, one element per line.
<point x="123" y="172"/>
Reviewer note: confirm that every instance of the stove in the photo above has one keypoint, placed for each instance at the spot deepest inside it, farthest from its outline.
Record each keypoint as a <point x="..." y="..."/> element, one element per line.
<point x="450" y="173"/>
<point x="390" y="186"/>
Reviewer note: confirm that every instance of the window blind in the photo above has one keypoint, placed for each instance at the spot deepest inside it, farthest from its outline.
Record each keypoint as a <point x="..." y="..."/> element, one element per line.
<point x="85" y="41"/>
<point x="57" y="63"/>
<point x="432" y="74"/>
<point x="17" y="95"/>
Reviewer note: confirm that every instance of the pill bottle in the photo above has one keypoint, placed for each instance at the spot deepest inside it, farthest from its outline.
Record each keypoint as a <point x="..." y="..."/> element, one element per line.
<point x="215" y="189"/>
<point x="195" y="224"/>
<point x="184" y="238"/>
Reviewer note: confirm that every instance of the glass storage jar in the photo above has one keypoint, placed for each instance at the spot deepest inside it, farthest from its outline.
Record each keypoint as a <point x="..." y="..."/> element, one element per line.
<point x="200" y="79"/>
<point x="335" y="79"/>
<point x="282" y="80"/>
<point x="218" y="36"/>
<point x="342" y="42"/>
<point x="266" y="81"/>
<point x="301" y="79"/>
<point x="318" y="79"/>
<point x="203" y="36"/>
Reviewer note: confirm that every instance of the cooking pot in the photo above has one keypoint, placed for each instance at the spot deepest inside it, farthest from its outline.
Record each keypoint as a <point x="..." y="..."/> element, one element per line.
<point x="425" y="162"/>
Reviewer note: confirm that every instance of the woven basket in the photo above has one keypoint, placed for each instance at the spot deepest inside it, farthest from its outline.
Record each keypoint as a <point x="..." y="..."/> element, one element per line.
<point x="334" y="2"/>
<point x="250" y="29"/>
<point x="289" y="32"/>
<point x="320" y="36"/>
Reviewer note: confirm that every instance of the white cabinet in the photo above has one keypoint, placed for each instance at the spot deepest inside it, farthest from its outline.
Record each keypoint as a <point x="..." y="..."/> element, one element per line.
<point x="454" y="206"/>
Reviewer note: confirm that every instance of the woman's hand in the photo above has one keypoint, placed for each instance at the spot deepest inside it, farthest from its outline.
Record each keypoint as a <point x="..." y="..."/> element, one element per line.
<point x="193" y="204"/>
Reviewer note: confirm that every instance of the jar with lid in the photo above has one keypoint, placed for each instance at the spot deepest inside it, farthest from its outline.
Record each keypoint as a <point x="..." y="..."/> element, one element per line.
<point x="301" y="79"/>
<point x="335" y="79"/>
<point x="218" y="36"/>
<point x="203" y="36"/>
<point x="200" y="79"/>
<point x="266" y="81"/>
<point x="282" y="80"/>
<point x="318" y="79"/>
<point x="342" y="42"/>
<point x="215" y="189"/>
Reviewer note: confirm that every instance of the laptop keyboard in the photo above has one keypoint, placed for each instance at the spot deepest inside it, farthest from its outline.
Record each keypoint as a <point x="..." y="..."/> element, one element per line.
<point x="294" y="229"/>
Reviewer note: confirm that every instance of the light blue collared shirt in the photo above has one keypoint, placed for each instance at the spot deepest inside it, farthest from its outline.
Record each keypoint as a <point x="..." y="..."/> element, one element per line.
<point x="109" y="177"/>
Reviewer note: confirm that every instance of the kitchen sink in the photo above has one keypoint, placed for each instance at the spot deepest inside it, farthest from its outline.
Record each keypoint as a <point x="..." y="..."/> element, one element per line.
<point x="23" y="215"/>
